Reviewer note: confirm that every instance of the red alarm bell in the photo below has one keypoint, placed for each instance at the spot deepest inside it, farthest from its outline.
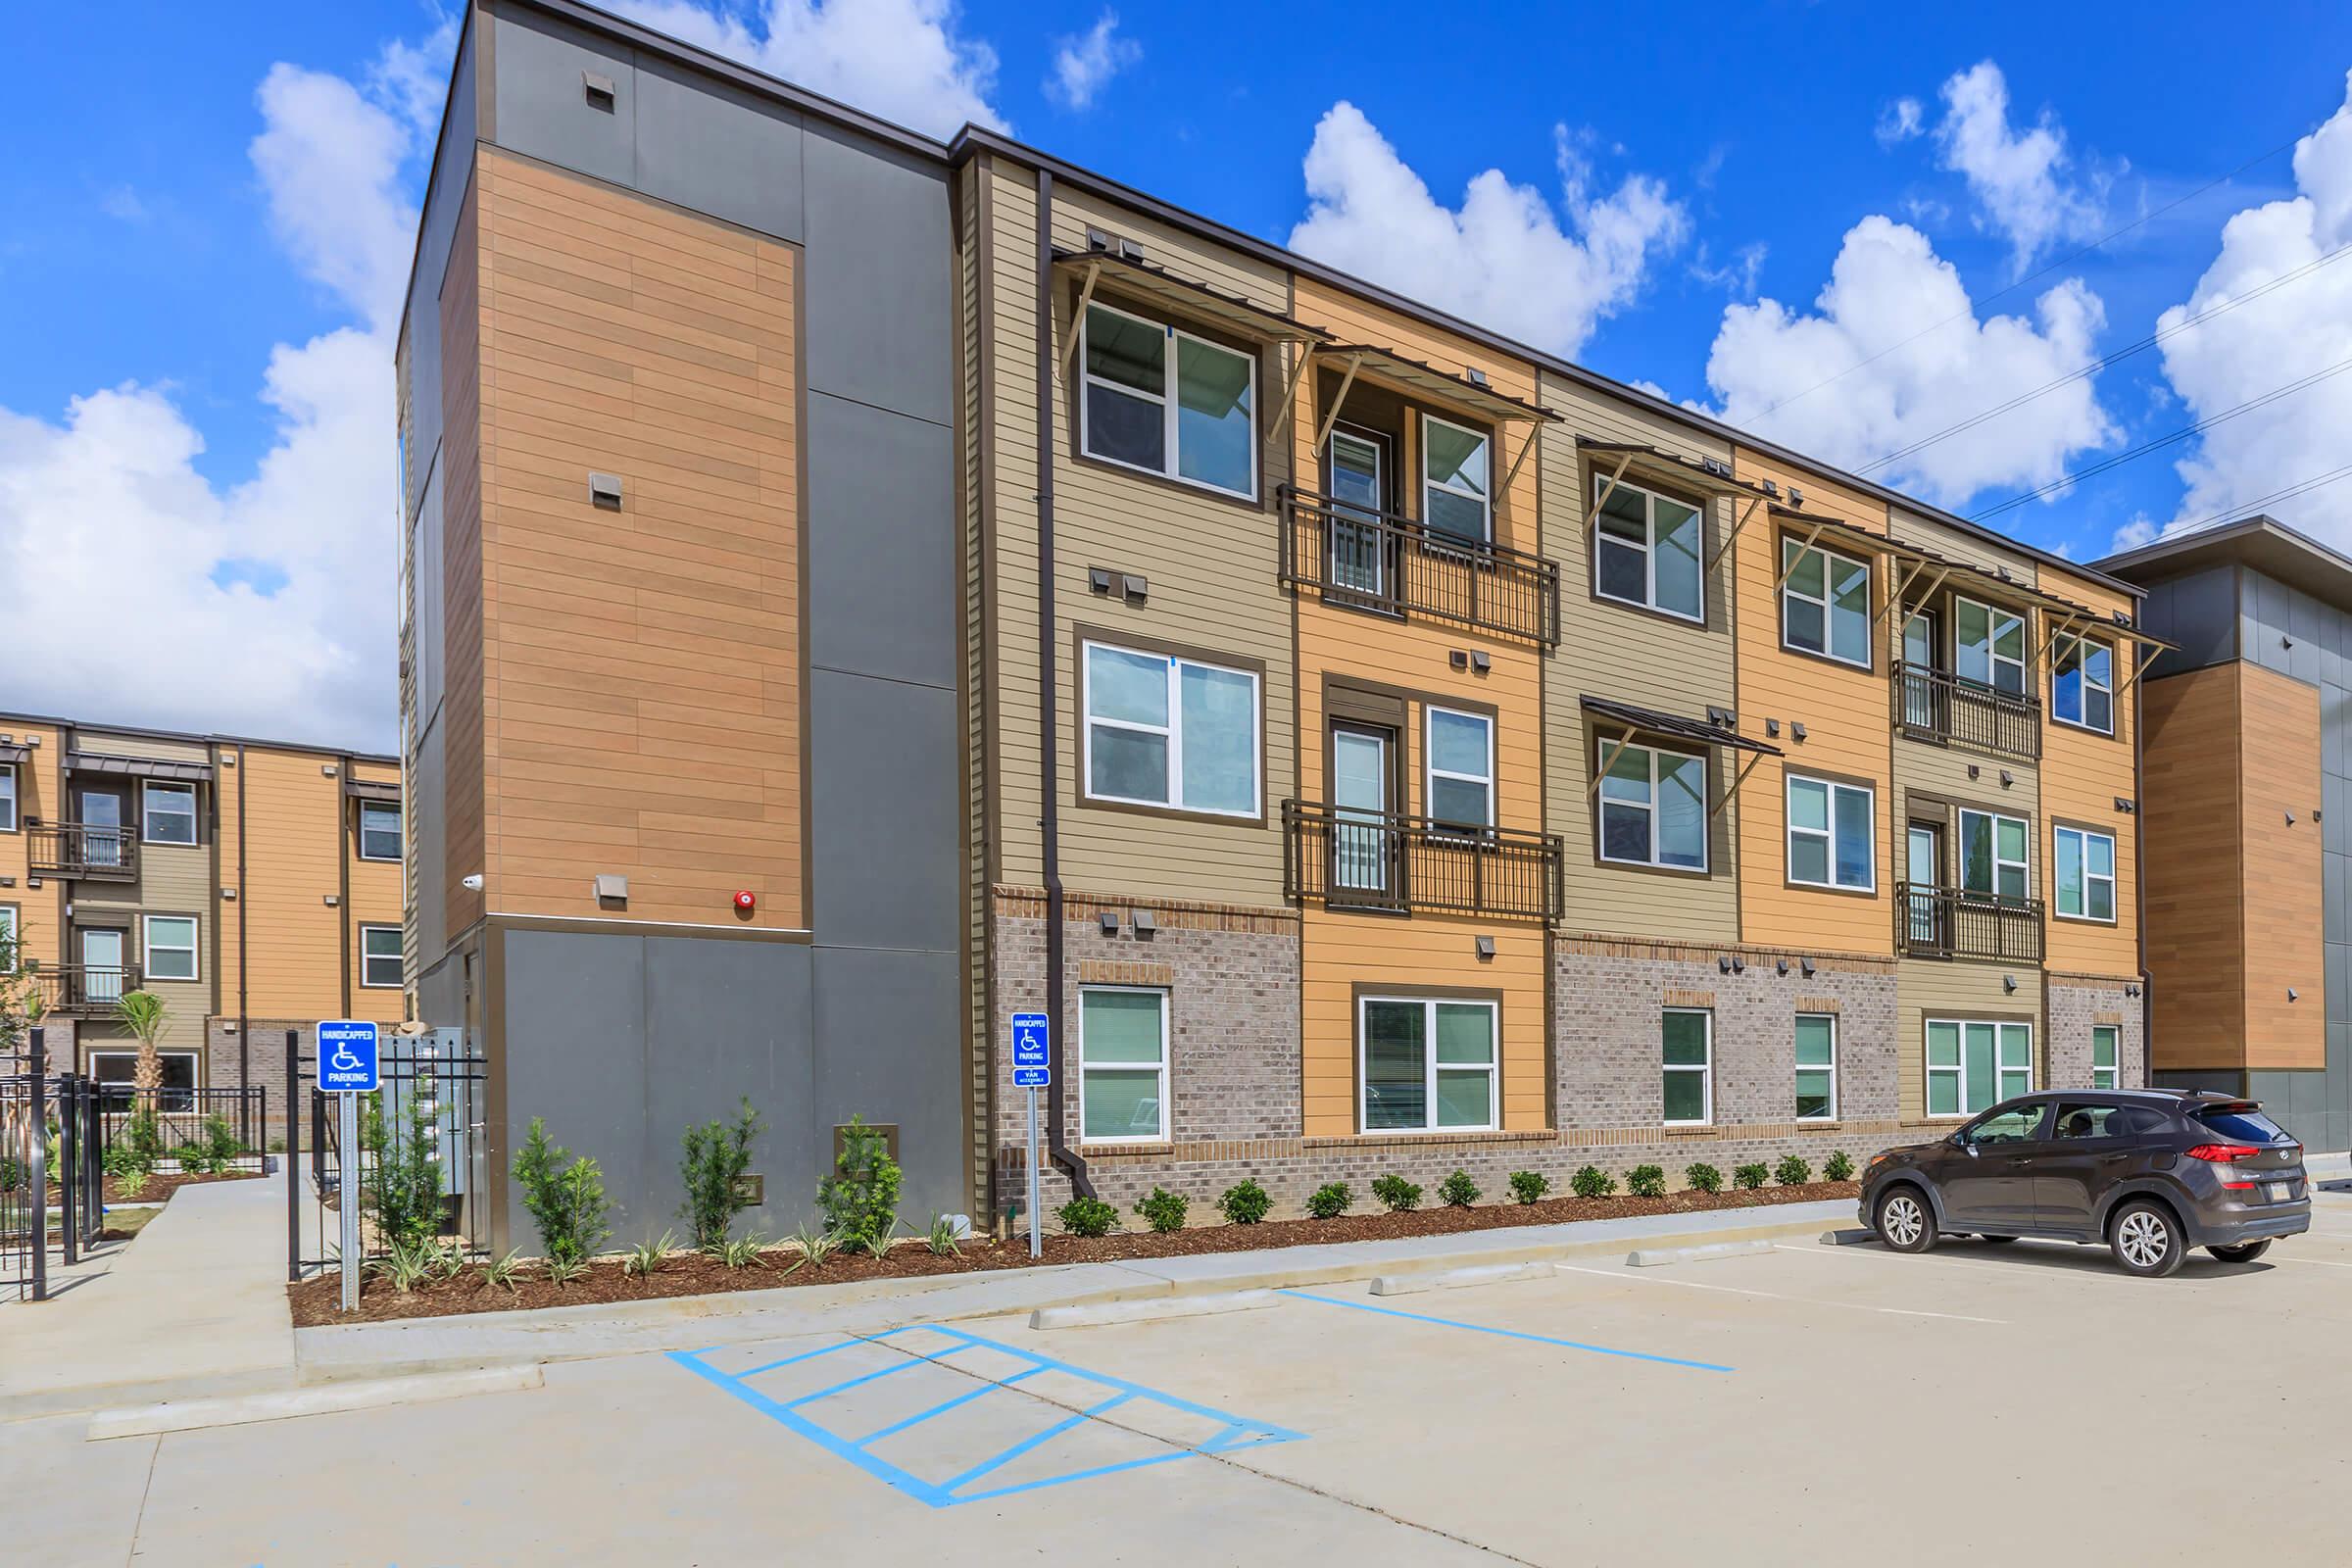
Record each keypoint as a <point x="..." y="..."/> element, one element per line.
<point x="745" y="903"/>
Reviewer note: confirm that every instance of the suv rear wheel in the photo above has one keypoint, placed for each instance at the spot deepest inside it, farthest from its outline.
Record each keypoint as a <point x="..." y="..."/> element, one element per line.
<point x="1904" y="1221"/>
<point x="2147" y="1240"/>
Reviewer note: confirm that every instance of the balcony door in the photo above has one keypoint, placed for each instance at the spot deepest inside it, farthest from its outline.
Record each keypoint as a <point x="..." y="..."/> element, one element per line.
<point x="1362" y="840"/>
<point x="100" y="813"/>
<point x="101" y="964"/>
<point x="1918" y="657"/>
<point x="1923" y="869"/>
<point x="1355" y="477"/>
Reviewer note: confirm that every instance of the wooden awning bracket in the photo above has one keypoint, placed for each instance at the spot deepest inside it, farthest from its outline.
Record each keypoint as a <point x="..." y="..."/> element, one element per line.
<point x="1903" y="588"/>
<point x="1533" y="431"/>
<point x="2059" y="629"/>
<point x="1593" y="512"/>
<point x="1338" y="402"/>
<point x="1086" y="295"/>
<point x="1606" y="763"/>
<point x="1289" y="393"/>
<point x="1728" y="539"/>
<point x="2144" y="666"/>
<point x="1782" y="581"/>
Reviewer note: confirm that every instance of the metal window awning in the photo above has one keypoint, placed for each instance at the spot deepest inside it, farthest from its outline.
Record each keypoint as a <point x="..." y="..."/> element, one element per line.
<point x="1437" y="386"/>
<point x="1186" y="297"/>
<point x="1707" y="475"/>
<point x="1651" y="722"/>
<point x="10" y="753"/>
<point x="138" y="767"/>
<point x="366" y="789"/>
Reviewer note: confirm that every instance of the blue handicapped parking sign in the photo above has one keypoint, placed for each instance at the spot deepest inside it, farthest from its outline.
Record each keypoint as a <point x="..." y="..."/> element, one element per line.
<point x="347" y="1057"/>
<point x="1031" y="1034"/>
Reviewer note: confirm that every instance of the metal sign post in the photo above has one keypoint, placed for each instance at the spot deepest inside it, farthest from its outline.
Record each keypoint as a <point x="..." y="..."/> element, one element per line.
<point x="347" y="1069"/>
<point x="1032" y="1069"/>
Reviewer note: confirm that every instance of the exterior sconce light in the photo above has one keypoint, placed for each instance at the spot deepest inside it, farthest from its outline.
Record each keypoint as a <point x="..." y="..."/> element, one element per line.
<point x="1110" y="922"/>
<point x="1486" y="949"/>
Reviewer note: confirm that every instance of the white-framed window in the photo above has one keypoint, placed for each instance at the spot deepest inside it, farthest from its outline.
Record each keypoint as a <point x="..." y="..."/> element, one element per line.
<point x="1973" y="1064"/>
<point x="1425" y="1064"/>
<point x="1159" y="399"/>
<point x="167" y="812"/>
<point x="9" y="928"/>
<point x="2105" y="1040"/>
<point x="8" y="796"/>
<point x="1824" y="604"/>
<point x="1455" y="494"/>
<point x="114" y="1071"/>
<point x="1460" y="789"/>
<point x="1122" y="1064"/>
<point x="379" y="957"/>
<point x="1989" y="645"/>
<point x="1993" y="856"/>
<point x="2082" y="684"/>
<point x="1687" y="1061"/>
<point x="1647" y="551"/>
<point x="1833" y="834"/>
<point x="171" y="943"/>
<point x="380" y="830"/>
<point x="2086" y="876"/>
<point x="1816" y="1066"/>
<point x="1653" y="807"/>
<point x="1167" y="731"/>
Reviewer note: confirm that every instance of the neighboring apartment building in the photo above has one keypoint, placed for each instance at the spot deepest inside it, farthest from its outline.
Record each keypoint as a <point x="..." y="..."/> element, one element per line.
<point x="1376" y="744"/>
<point x="2249" y="823"/>
<point x="254" y="885"/>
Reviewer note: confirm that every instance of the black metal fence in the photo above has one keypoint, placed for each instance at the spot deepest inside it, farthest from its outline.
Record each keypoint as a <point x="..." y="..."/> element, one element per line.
<point x="1935" y="922"/>
<point x="420" y="1160"/>
<point x="1932" y="704"/>
<point x="1393" y="565"/>
<point x="1365" y="859"/>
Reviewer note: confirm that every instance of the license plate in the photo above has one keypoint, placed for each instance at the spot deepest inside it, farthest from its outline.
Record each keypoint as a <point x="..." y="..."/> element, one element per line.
<point x="2278" y="1192"/>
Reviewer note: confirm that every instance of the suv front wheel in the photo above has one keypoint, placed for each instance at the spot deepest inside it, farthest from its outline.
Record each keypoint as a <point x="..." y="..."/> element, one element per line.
<point x="1904" y="1221"/>
<point x="2147" y="1240"/>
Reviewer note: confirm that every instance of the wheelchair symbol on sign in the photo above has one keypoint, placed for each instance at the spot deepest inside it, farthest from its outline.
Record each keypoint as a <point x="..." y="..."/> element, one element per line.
<point x="343" y="1060"/>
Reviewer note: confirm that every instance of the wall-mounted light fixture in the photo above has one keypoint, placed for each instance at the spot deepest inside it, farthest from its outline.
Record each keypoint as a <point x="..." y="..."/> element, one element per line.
<point x="2008" y="982"/>
<point x="1739" y="964"/>
<point x="2290" y="819"/>
<point x="1974" y="770"/>
<point x="1479" y="663"/>
<point x="1486" y="949"/>
<point x="599" y="90"/>
<point x="1772" y="727"/>
<point x="1458" y="658"/>
<point x="1723" y="964"/>
<point x="1110" y="922"/>
<point x="2293" y="995"/>
<point x="1779" y="966"/>
<point x="1098" y="578"/>
<point x="1136" y="587"/>
<point x="1805" y="968"/>
<point x="603" y="490"/>
<point x="2007" y="778"/>
<point x="612" y="885"/>
<point x="1798" y="730"/>
<point x="1145" y="923"/>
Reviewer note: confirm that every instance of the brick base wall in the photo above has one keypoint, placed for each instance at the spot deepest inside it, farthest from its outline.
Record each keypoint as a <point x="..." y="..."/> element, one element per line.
<point x="263" y="1055"/>
<point x="2077" y="1003"/>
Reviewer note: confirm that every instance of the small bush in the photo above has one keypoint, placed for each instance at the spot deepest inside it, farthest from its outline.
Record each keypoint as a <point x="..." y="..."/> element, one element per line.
<point x="1164" y="1211"/>
<point x="1750" y="1177"/>
<point x="1245" y="1203"/>
<point x="503" y="1271"/>
<point x="741" y="1251"/>
<point x="1793" y="1170"/>
<point x="716" y="1160"/>
<point x="1645" y="1181"/>
<point x="567" y="1202"/>
<point x="646" y="1257"/>
<point x="144" y="1138"/>
<point x="815" y="1247"/>
<point x="1838" y="1167"/>
<point x="861" y="1198"/>
<point x="221" y="1145"/>
<point x="942" y="1237"/>
<point x="1396" y="1194"/>
<point x="1591" y="1182"/>
<point x="1329" y="1200"/>
<point x="1703" y="1178"/>
<point x="1459" y="1191"/>
<point x="1086" y="1216"/>
<point x="190" y="1157"/>
<point x="1528" y="1186"/>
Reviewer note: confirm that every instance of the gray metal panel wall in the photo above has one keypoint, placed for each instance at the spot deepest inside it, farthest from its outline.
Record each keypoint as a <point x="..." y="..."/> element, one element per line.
<point x="438" y="223"/>
<point x="2197" y="610"/>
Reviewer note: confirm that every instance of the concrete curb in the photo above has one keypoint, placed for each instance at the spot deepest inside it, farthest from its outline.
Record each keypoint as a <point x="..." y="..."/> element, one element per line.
<point x="189" y="1415"/>
<point x="1849" y="1238"/>
<point x="1660" y="1256"/>
<point x="1454" y="1279"/>
<point x="1150" y="1311"/>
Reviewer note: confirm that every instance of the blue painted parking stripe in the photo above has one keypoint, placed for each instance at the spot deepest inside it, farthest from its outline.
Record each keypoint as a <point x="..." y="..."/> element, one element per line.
<point x="1506" y="1333"/>
<point x="921" y="1417"/>
<point x="777" y="1411"/>
<point x="868" y="1377"/>
<point x="1035" y="1441"/>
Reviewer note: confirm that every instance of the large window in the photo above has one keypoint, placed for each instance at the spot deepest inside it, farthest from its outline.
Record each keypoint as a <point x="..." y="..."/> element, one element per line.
<point x="1816" y="1066"/>
<point x="379" y="957"/>
<point x="167" y="812"/>
<point x="380" y="830"/>
<point x="171" y="946"/>
<point x="1988" y="646"/>
<point x="2082" y="684"/>
<point x="1830" y="835"/>
<point x="1461" y="769"/>
<point x="2103" y="1041"/>
<point x="1993" y="856"/>
<point x="1973" y="1066"/>
<point x="1687" y="1058"/>
<point x="8" y="796"/>
<point x="1454" y="479"/>
<point x="1122" y="1064"/>
<point x="1824" y="604"/>
<point x="1425" y="1064"/>
<point x="1168" y="403"/>
<point x="2086" y="874"/>
<point x="1653" y="807"/>
<point x="1647" y="551"/>
<point x="1167" y="731"/>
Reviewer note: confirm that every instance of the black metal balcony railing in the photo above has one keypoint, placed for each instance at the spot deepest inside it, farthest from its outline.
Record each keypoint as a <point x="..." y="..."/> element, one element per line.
<point x="70" y="848"/>
<point x="1934" y="922"/>
<point x="1368" y="861"/>
<point x="80" y="990"/>
<point x="1393" y="565"/>
<point x="1937" y="706"/>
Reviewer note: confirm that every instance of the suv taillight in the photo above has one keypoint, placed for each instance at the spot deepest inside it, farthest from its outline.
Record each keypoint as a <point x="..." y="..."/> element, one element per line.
<point x="2224" y="1154"/>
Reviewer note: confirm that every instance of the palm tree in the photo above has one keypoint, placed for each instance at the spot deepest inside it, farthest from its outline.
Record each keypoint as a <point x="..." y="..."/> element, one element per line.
<point x="144" y="1014"/>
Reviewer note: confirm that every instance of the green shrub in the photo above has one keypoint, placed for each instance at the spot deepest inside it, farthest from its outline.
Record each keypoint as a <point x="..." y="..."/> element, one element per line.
<point x="120" y="1162"/>
<point x="1396" y="1194"/>
<point x="1645" y="1181"/>
<point x="405" y="1190"/>
<point x="817" y="1247"/>
<point x="1329" y="1200"/>
<point x="221" y="1145"/>
<point x="1164" y="1211"/>
<point x="1750" y="1177"/>
<point x="1528" y="1186"/>
<point x="646" y="1257"/>
<point x="861" y="1198"/>
<point x="1245" y="1203"/>
<point x="1459" y="1191"/>
<point x="717" y="1156"/>
<point x="1086" y="1216"/>
<point x="1838" y="1167"/>
<point x="1793" y="1170"/>
<point x="1703" y="1178"/>
<point x="189" y="1158"/>
<point x="143" y="1136"/>
<point x="567" y="1202"/>
<point x="1591" y="1182"/>
<point x="942" y="1237"/>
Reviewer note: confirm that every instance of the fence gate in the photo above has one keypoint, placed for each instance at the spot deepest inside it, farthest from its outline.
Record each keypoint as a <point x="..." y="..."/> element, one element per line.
<point x="419" y="1164"/>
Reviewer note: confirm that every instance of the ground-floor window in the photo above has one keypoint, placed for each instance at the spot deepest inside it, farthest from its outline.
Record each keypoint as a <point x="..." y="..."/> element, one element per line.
<point x="2103" y="1041"/>
<point x="1816" y="1066"/>
<point x="1973" y="1064"/>
<point x="1687" y="1058"/>
<point x="115" y="1069"/>
<point x="1426" y="1064"/>
<point x="1122" y="1064"/>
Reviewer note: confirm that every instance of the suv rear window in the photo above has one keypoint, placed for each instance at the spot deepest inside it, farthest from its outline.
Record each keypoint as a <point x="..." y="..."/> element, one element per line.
<point x="2243" y="1123"/>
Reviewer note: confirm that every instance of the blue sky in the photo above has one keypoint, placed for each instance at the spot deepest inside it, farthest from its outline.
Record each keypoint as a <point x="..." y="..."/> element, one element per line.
<point x="1655" y="170"/>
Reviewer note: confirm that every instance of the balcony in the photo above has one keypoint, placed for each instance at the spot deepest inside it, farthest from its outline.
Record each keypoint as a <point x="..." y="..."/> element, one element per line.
<point x="98" y="854"/>
<point x="1932" y="704"/>
<point x="1401" y="864"/>
<point x="1392" y="564"/>
<point x="82" y="991"/>
<point x="1932" y="923"/>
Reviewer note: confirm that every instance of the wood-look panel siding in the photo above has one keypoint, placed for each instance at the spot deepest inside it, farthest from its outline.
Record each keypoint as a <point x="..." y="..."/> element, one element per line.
<point x="974" y="441"/>
<point x="2280" y="778"/>
<point x="293" y="866"/>
<point x="1929" y="988"/>
<point x="2195" y="875"/>
<point x="640" y="674"/>
<point x="40" y="793"/>
<point x="464" y="804"/>
<point x="2082" y="775"/>
<point x="375" y="900"/>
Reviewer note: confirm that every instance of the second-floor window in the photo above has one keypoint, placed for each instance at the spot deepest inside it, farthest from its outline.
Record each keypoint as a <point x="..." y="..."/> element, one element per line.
<point x="379" y="831"/>
<point x="1988" y="646"/>
<point x="1653" y="807"/>
<point x="1831" y="834"/>
<point x="1824" y="604"/>
<point x="171" y="946"/>
<point x="1993" y="856"/>
<point x="2086" y="874"/>
<point x="1167" y="731"/>
<point x="379" y="957"/>
<point x="2082" y="684"/>
<point x="1461" y="769"/>
<point x="1646" y="551"/>
<point x="1168" y="403"/>
<point x="1454" y="499"/>
<point x="7" y="798"/>
<point x="168" y="813"/>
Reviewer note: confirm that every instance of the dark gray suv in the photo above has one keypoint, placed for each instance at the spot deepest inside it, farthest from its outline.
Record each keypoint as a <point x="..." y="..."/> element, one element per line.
<point x="2149" y="1172"/>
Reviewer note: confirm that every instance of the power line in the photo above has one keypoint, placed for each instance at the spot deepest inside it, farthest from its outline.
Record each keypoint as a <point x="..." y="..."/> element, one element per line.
<point x="2246" y="508"/>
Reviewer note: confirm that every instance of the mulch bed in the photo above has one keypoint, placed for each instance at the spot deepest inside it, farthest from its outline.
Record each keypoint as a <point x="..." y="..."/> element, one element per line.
<point x="314" y="1302"/>
<point x="160" y="1186"/>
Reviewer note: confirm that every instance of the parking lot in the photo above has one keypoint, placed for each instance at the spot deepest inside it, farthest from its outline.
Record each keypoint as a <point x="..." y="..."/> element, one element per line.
<point x="1808" y="1404"/>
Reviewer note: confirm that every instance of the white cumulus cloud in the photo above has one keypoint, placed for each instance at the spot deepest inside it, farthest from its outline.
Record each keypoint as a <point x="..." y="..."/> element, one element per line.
<point x="1504" y="258"/>
<point x="1900" y="122"/>
<point x="1083" y="65"/>
<point x="2024" y="180"/>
